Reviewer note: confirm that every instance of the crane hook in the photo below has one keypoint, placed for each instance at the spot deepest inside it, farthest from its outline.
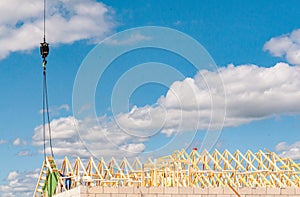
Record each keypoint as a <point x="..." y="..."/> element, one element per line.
<point x="44" y="50"/>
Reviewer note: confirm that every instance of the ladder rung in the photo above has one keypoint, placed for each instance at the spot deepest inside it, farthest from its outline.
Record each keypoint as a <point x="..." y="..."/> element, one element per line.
<point x="40" y="190"/>
<point x="49" y="157"/>
<point x="43" y="178"/>
<point x="41" y="184"/>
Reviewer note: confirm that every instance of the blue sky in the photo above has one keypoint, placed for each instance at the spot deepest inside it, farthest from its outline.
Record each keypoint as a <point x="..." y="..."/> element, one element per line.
<point x="256" y="46"/>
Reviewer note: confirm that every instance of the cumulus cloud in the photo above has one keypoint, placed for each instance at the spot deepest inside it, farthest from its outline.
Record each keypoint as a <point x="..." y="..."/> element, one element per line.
<point x="287" y="46"/>
<point x="57" y="110"/>
<point x="12" y="175"/>
<point x="19" y="142"/>
<point x="252" y="93"/>
<point x="19" y="183"/>
<point x="21" y="23"/>
<point x="85" y="138"/>
<point x="291" y="151"/>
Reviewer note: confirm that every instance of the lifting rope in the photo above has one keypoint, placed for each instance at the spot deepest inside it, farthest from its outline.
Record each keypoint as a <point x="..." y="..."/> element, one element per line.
<point x="44" y="50"/>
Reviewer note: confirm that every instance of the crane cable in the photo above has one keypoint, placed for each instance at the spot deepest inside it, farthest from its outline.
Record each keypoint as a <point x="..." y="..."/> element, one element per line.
<point x="44" y="50"/>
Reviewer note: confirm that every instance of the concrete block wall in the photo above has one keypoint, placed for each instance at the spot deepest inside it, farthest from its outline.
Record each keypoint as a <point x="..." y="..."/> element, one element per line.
<point x="178" y="192"/>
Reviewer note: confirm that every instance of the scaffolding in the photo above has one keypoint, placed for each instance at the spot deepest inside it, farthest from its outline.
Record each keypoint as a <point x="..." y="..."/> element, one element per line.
<point x="216" y="169"/>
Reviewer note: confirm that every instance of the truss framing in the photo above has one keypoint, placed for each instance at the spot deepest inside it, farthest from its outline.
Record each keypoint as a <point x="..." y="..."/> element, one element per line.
<point x="216" y="169"/>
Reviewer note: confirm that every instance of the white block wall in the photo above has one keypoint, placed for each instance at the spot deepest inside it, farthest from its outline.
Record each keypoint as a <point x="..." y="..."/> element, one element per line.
<point x="178" y="192"/>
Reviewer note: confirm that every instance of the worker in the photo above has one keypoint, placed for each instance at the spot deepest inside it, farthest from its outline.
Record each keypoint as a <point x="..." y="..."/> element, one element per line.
<point x="68" y="180"/>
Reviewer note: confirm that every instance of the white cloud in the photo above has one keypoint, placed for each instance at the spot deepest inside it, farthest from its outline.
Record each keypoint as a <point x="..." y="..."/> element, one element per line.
<point x="106" y="140"/>
<point x="65" y="107"/>
<point x="57" y="110"/>
<point x="21" y="23"/>
<point x="3" y="142"/>
<point x="12" y="175"/>
<point x="178" y="23"/>
<point x="291" y="151"/>
<point x="252" y="93"/>
<point x="24" y="153"/>
<point x="131" y="39"/>
<point x="19" y="142"/>
<point x="287" y="46"/>
<point x="19" y="184"/>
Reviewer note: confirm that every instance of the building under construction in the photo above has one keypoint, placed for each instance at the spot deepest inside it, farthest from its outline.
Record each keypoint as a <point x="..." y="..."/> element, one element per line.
<point x="263" y="173"/>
